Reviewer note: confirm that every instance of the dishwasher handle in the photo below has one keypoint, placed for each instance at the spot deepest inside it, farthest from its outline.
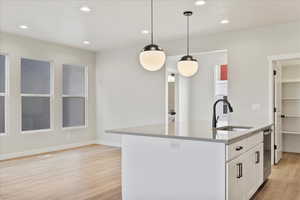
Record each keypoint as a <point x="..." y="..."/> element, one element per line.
<point x="267" y="131"/>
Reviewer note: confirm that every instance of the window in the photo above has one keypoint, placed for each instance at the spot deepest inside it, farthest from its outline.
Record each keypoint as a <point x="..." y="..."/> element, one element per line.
<point x="36" y="94"/>
<point x="74" y="96"/>
<point x="2" y="93"/>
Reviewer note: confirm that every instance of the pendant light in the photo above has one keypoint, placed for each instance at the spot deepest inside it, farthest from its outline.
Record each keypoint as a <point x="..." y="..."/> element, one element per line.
<point x="187" y="65"/>
<point x="152" y="57"/>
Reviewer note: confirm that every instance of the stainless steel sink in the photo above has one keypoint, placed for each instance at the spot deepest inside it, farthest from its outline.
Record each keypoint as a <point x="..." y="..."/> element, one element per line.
<point x="234" y="128"/>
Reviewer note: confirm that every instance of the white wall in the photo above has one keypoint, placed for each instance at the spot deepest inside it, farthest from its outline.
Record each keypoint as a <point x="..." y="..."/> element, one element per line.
<point x="17" y="47"/>
<point x="121" y="79"/>
<point x="248" y="64"/>
<point x="197" y="93"/>
<point x="203" y="85"/>
<point x="127" y="94"/>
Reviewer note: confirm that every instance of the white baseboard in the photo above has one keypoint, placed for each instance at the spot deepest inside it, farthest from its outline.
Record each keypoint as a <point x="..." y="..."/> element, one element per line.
<point x="109" y="143"/>
<point x="45" y="150"/>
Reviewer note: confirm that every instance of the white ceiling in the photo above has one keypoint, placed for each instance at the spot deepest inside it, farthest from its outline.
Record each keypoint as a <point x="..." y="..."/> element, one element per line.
<point x="115" y="23"/>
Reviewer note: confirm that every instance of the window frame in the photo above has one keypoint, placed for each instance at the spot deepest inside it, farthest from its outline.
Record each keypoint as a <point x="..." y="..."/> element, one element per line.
<point x="85" y="96"/>
<point x="6" y="94"/>
<point x="50" y="95"/>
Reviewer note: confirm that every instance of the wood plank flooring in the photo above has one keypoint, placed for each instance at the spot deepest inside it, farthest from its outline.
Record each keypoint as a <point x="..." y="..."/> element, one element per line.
<point x="284" y="183"/>
<point x="94" y="173"/>
<point x="91" y="172"/>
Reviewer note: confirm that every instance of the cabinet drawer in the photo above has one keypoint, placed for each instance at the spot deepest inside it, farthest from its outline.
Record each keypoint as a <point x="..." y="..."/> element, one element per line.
<point x="255" y="139"/>
<point x="238" y="148"/>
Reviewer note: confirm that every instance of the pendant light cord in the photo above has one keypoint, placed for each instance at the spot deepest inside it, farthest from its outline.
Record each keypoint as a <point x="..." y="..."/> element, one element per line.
<point x="188" y="36"/>
<point x="151" y="21"/>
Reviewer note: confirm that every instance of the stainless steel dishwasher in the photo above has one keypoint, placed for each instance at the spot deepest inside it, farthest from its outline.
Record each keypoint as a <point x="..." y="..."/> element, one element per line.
<point x="267" y="153"/>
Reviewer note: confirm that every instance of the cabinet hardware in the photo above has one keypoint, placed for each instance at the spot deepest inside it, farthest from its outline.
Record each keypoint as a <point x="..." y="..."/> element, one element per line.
<point x="238" y="148"/>
<point x="257" y="155"/>
<point x="267" y="130"/>
<point x="239" y="170"/>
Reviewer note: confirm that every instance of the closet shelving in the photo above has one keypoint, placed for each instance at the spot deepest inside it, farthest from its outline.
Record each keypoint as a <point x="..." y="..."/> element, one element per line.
<point x="291" y="116"/>
<point x="290" y="101"/>
<point x="290" y="132"/>
<point x="291" y="81"/>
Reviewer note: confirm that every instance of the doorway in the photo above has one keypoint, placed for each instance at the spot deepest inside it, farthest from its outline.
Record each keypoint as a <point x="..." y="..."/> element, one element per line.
<point x="194" y="96"/>
<point x="172" y="100"/>
<point x="285" y="110"/>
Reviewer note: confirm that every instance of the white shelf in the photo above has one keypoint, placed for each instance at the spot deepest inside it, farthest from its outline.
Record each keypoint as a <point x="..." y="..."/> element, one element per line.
<point x="290" y="99"/>
<point x="291" y="81"/>
<point x="289" y="92"/>
<point x="291" y="116"/>
<point x="291" y="132"/>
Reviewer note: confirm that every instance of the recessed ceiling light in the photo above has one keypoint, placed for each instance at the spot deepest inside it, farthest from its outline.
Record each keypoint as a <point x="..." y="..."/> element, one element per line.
<point x="86" y="42"/>
<point x="145" y="32"/>
<point x="85" y="9"/>
<point x="224" y="21"/>
<point x="23" y="26"/>
<point x="200" y="2"/>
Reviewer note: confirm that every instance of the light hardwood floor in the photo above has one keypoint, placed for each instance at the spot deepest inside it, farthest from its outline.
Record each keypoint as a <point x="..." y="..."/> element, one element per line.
<point x="93" y="172"/>
<point x="284" y="183"/>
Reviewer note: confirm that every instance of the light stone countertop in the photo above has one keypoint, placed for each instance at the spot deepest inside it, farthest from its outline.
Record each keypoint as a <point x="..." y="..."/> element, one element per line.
<point x="193" y="130"/>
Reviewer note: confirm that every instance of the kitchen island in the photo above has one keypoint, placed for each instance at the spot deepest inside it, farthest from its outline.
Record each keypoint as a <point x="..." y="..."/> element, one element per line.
<point x="191" y="161"/>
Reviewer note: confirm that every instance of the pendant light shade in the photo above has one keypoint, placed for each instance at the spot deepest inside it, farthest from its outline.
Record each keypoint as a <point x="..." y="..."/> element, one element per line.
<point x="152" y="57"/>
<point x="187" y="66"/>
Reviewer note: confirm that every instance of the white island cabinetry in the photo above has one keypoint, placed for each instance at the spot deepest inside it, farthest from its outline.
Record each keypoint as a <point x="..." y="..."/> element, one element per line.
<point x="245" y="171"/>
<point x="162" y="162"/>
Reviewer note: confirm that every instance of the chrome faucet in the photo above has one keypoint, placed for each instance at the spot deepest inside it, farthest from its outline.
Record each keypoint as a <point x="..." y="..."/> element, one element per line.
<point x="214" y="120"/>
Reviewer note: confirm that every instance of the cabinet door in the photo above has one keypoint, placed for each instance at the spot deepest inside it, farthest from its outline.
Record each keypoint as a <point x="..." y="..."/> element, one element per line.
<point x="259" y="165"/>
<point x="250" y="173"/>
<point x="253" y="170"/>
<point x="235" y="182"/>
